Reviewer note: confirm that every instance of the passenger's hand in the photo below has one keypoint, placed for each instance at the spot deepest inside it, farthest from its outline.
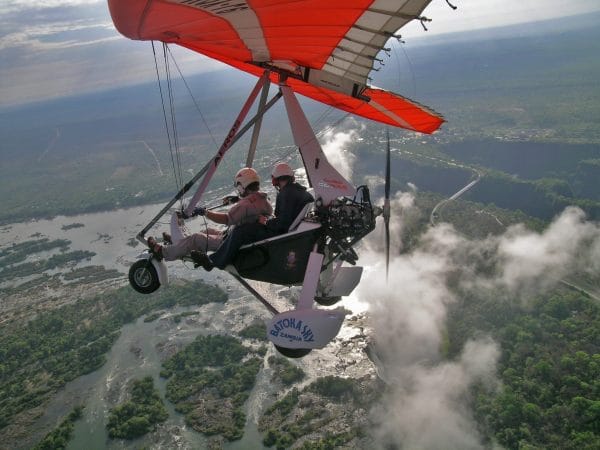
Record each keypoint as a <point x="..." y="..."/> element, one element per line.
<point x="262" y="220"/>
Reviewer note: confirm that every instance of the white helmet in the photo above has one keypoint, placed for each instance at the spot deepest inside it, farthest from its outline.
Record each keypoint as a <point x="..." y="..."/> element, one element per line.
<point x="245" y="177"/>
<point x="282" y="170"/>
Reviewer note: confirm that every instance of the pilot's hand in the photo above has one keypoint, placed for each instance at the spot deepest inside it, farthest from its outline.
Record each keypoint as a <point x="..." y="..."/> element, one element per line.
<point x="262" y="220"/>
<point x="199" y="211"/>
<point x="230" y="199"/>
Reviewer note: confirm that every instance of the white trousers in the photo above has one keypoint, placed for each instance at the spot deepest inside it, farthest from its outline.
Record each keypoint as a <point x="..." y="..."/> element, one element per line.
<point x="205" y="242"/>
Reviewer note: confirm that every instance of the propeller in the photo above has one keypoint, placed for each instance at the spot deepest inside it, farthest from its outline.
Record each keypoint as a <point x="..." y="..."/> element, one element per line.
<point x="386" y="206"/>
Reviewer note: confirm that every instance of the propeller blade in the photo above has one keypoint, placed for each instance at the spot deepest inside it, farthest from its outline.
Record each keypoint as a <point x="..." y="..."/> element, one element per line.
<point x="386" y="206"/>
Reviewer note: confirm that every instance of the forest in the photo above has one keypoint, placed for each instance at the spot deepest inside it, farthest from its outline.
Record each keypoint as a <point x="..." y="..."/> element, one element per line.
<point x="209" y="381"/>
<point x="328" y="405"/>
<point x="549" y="368"/>
<point x="58" y="438"/>
<point x="39" y="356"/>
<point x="138" y="415"/>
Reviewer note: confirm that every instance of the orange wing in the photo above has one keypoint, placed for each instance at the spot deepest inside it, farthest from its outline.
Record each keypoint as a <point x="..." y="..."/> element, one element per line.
<point x="329" y="46"/>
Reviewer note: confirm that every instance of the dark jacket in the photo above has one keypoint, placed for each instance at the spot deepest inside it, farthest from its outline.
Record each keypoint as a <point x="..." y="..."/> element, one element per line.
<point x="290" y="201"/>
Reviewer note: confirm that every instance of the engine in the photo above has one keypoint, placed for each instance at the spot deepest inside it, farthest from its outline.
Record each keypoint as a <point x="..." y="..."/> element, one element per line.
<point x="347" y="220"/>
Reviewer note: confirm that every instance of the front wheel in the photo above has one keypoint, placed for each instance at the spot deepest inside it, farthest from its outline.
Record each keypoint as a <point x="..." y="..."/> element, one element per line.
<point x="293" y="352"/>
<point x="143" y="277"/>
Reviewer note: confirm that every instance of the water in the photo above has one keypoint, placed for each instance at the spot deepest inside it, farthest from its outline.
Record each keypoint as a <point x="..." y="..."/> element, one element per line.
<point x="135" y="354"/>
<point x="141" y="347"/>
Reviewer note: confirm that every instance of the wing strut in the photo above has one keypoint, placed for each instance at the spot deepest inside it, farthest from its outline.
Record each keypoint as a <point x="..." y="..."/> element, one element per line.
<point x="227" y="142"/>
<point x="253" y="291"/>
<point x="210" y="167"/>
<point x="256" y="131"/>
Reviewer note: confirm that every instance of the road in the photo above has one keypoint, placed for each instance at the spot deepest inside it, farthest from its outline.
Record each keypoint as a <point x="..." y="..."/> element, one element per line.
<point x="433" y="214"/>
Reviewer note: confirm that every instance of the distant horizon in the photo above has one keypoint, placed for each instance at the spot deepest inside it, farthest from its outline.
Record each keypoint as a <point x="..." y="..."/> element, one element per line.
<point x="575" y="22"/>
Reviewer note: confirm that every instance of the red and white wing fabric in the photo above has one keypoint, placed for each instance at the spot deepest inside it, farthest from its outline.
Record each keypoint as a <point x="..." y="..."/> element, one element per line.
<point x="329" y="46"/>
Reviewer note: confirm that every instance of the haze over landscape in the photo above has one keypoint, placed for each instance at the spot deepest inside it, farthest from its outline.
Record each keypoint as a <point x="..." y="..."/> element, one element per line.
<point x="485" y="335"/>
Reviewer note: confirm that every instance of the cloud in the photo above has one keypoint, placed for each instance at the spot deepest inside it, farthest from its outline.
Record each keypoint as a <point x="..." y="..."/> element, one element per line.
<point x="426" y="406"/>
<point x="336" y="147"/>
<point x="19" y="6"/>
<point x="531" y="260"/>
<point x="61" y="35"/>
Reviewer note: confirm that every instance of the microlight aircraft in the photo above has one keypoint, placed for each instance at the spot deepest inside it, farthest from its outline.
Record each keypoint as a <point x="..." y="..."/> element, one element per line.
<point x="322" y="49"/>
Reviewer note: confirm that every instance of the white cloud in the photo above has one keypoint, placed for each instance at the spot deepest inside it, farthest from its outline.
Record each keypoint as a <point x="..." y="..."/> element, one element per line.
<point x="48" y="37"/>
<point x="427" y="407"/>
<point x="569" y="244"/>
<point x="12" y="6"/>
<point x="335" y="148"/>
<point x="426" y="404"/>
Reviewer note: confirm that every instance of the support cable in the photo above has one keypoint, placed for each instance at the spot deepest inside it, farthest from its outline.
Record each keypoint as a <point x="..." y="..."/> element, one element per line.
<point x="194" y="100"/>
<point x="162" y="100"/>
<point x="175" y="159"/>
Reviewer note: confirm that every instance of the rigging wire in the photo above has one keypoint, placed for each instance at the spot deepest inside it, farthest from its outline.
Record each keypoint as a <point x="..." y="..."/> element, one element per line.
<point x="172" y="141"/>
<point x="162" y="101"/>
<point x="194" y="100"/>
<point x="176" y="166"/>
<point x="410" y="67"/>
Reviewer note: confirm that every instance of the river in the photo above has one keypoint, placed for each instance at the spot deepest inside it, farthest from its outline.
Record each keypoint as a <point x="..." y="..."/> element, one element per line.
<point x="141" y="347"/>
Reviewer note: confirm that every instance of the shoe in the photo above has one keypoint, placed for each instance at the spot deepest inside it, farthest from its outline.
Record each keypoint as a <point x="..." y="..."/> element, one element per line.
<point x="167" y="238"/>
<point x="201" y="259"/>
<point x="154" y="248"/>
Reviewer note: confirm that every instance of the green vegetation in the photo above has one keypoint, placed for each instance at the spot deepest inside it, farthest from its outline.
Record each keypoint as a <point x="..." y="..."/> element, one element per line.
<point x="91" y="274"/>
<point x="152" y="317"/>
<point x="17" y="252"/>
<point x="177" y="318"/>
<point x="284" y="371"/>
<point x="36" y="267"/>
<point x="284" y="406"/>
<point x="549" y="368"/>
<point x="209" y="381"/>
<point x="257" y="330"/>
<point x="40" y="356"/>
<point x="334" y="388"/>
<point x="58" y="438"/>
<point x="70" y="226"/>
<point x="326" y="408"/>
<point x="140" y="414"/>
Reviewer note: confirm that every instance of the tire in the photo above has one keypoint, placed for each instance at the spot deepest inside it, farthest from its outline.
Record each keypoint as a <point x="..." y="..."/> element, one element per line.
<point x="293" y="352"/>
<point x="143" y="277"/>
<point x="327" y="301"/>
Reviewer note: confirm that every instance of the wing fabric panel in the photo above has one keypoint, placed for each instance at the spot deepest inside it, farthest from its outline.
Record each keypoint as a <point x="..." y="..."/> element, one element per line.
<point x="330" y="44"/>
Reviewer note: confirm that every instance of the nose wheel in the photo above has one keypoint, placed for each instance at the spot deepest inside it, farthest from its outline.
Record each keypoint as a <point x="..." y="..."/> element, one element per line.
<point x="143" y="277"/>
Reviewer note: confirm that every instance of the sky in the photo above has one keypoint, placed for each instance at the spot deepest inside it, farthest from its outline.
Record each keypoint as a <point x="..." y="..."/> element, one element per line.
<point x="54" y="48"/>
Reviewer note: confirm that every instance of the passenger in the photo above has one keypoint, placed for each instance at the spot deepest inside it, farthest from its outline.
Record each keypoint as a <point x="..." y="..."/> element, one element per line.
<point x="249" y="209"/>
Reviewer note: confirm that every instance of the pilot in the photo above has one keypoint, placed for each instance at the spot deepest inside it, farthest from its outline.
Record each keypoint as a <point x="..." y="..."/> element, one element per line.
<point x="291" y="199"/>
<point x="252" y="205"/>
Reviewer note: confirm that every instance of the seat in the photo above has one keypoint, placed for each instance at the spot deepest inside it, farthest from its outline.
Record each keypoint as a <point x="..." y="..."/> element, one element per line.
<point x="301" y="215"/>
